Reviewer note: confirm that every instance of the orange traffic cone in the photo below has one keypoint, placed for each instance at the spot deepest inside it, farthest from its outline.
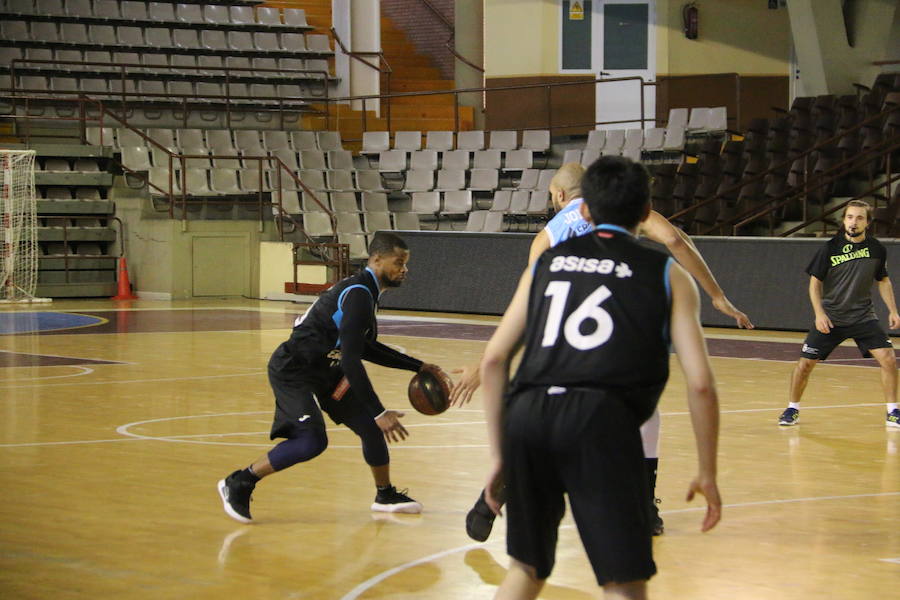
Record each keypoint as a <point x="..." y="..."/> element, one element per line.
<point x="124" y="284"/>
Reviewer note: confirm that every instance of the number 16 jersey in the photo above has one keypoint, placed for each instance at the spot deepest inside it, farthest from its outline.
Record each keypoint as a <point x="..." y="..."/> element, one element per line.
<point x="598" y="315"/>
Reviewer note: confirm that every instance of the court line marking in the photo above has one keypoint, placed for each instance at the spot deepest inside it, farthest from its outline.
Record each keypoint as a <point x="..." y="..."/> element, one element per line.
<point x="124" y="430"/>
<point x="375" y="580"/>
<point x="891" y="560"/>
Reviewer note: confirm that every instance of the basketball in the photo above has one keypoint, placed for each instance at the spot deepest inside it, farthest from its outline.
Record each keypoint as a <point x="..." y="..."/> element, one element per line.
<point x="429" y="393"/>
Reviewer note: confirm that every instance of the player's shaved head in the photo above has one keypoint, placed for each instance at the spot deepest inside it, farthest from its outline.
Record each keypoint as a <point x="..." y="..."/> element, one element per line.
<point x="568" y="179"/>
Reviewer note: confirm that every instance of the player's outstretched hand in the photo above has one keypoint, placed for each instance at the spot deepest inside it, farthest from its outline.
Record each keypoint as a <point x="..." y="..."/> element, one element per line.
<point x="390" y="425"/>
<point x="708" y="488"/>
<point x="493" y="488"/>
<point x="469" y="380"/>
<point x="724" y="306"/>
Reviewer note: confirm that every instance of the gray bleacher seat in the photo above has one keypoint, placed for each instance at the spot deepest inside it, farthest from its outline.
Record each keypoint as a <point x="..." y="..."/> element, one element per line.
<point x="573" y="155"/>
<point x="339" y="159"/>
<point x="224" y="181"/>
<point x="596" y="139"/>
<point x="653" y="139"/>
<point x="242" y="15"/>
<point x="220" y="142"/>
<point x="240" y="40"/>
<point x="589" y="156"/>
<point x="268" y="15"/>
<point x="276" y="140"/>
<point x="14" y="30"/>
<point x="418" y="181"/>
<point x="374" y="142"/>
<point x="196" y="182"/>
<point x="58" y="193"/>
<point x="329" y="140"/>
<point x="536" y="140"/>
<point x="493" y="222"/>
<point x="407" y="140"/>
<point x="441" y="141"/>
<point x="160" y="182"/>
<point x="303" y="140"/>
<point x="538" y="202"/>
<point x="426" y="203"/>
<point x="216" y="14"/>
<point x="369" y="181"/>
<point x="87" y="193"/>
<point x="296" y="42"/>
<point x="136" y="11"/>
<point x="313" y="179"/>
<point x="288" y="156"/>
<point x="475" y="221"/>
<point x="108" y="9"/>
<point x="290" y="201"/>
<point x="455" y="159"/>
<point x="423" y="159"/>
<point x="544" y="179"/>
<point x="161" y="12"/>
<point x="503" y="140"/>
<point x="158" y="37"/>
<point x="295" y="17"/>
<point x="517" y="160"/>
<point x="317" y="224"/>
<point x="213" y="39"/>
<point x="97" y="136"/>
<point x="136" y="158"/>
<point x="374" y="202"/>
<point x="377" y="221"/>
<point x="312" y="159"/>
<point x="189" y="13"/>
<point x="357" y="243"/>
<point x="78" y="8"/>
<point x="348" y="222"/>
<point x="48" y="7"/>
<point x="457" y="202"/>
<point x="484" y="179"/>
<point x="634" y="140"/>
<point x="267" y="41"/>
<point x="318" y="43"/>
<point x="392" y="161"/>
<point x="47" y="32"/>
<point x="251" y="179"/>
<point x="130" y="36"/>
<point x="698" y="120"/>
<point x="518" y="203"/>
<point x="528" y="180"/>
<point x="128" y="138"/>
<point x="678" y="117"/>
<point x="317" y="201"/>
<point x="186" y="39"/>
<point x="501" y="200"/>
<point x="615" y="139"/>
<point x="487" y="159"/>
<point x="102" y="34"/>
<point x="406" y="221"/>
<point x="674" y="140"/>
<point x="340" y="180"/>
<point x="247" y="141"/>
<point x="470" y="140"/>
<point x="450" y="179"/>
<point x="344" y="202"/>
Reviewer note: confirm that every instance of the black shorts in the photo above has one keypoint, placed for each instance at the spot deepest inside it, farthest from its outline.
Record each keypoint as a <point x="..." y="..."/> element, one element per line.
<point x="587" y="444"/>
<point x="300" y="400"/>
<point x="868" y="336"/>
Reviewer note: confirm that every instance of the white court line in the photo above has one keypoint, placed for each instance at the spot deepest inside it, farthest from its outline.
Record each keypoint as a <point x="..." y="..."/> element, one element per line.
<point x="373" y="581"/>
<point x="84" y="371"/>
<point x="891" y="560"/>
<point x="130" y="381"/>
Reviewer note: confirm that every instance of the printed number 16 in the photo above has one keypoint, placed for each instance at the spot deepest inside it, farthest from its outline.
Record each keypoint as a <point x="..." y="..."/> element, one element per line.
<point x="590" y="309"/>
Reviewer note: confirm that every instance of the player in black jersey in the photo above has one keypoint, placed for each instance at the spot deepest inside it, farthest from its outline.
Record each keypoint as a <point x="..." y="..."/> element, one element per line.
<point x="320" y="366"/>
<point x="840" y="290"/>
<point x="595" y="317"/>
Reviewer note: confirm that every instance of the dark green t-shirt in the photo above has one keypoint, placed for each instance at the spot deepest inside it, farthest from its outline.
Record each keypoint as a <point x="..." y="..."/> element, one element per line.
<point x="847" y="271"/>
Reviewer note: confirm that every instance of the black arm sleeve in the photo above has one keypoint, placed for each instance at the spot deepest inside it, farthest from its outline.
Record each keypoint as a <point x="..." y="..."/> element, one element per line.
<point x="358" y="317"/>
<point x="386" y="356"/>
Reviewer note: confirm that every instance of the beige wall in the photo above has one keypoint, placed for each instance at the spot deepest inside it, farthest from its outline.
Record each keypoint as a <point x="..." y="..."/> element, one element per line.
<point x="521" y="37"/>
<point x="743" y="36"/>
<point x="736" y="36"/>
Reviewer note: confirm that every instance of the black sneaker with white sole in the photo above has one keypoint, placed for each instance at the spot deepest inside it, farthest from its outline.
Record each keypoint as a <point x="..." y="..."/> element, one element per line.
<point x="235" y="491"/>
<point x="389" y="499"/>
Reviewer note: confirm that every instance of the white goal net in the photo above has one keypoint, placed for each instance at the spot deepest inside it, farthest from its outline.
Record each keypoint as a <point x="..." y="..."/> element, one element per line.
<point x="18" y="237"/>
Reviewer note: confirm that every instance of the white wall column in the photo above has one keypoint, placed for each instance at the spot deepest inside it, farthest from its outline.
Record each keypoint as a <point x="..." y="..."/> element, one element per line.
<point x="365" y="36"/>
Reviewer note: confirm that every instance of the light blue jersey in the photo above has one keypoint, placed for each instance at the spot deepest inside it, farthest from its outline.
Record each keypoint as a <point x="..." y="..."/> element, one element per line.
<point x="567" y="223"/>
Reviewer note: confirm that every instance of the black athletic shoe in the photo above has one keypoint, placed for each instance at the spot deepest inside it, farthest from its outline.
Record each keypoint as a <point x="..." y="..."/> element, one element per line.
<point x="480" y="520"/>
<point x="235" y="491"/>
<point x="391" y="500"/>
<point x="658" y="526"/>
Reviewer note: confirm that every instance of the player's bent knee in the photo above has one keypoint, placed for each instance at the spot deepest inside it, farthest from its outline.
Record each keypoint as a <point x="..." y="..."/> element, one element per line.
<point x="308" y="444"/>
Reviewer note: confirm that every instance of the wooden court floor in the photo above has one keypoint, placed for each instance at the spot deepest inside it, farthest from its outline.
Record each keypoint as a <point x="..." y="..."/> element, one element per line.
<point x="118" y="419"/>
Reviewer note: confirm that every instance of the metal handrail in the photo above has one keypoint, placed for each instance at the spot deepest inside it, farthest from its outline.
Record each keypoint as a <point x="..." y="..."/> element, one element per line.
<point x="358" y="56"/>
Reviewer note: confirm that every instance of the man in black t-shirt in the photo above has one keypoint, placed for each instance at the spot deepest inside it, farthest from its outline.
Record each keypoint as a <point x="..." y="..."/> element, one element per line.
<point x="840" y="289"/>
<point x="319" y="368"/>
<point x="595" y="316"/>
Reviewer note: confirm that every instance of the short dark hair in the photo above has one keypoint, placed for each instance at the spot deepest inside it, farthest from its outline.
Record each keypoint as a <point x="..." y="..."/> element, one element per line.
<point x="616" y="190"/>
<point x="386" y="243"/>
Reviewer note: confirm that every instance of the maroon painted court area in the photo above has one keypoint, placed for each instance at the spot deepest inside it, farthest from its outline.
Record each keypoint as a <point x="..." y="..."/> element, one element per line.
<point x="163" y="320"/>
<point x="20" y="359"/>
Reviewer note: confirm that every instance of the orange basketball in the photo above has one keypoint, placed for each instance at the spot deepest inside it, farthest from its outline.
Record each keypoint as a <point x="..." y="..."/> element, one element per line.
<point x="429" y="393"/>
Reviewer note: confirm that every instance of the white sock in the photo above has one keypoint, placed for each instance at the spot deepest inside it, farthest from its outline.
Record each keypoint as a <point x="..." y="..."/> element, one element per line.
<point x="892" y="406"/>
<point x="795" y="405"/>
